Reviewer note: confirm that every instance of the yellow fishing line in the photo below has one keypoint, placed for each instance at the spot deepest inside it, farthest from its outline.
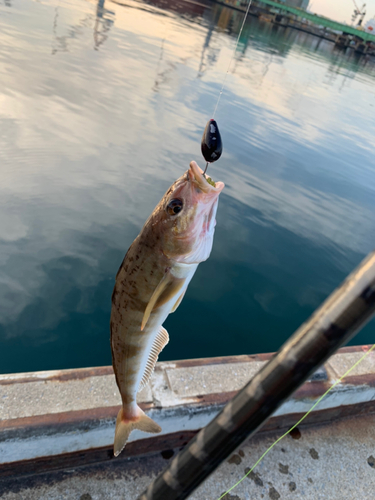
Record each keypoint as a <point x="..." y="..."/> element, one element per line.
<point x="299" y="421"/>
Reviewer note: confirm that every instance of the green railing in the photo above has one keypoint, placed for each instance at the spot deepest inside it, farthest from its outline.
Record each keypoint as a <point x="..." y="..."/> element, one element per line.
<point x="320" y="20"/>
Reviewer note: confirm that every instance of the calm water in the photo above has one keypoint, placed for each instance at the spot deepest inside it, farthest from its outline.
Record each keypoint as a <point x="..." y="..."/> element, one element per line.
<point x="103" y="106"/>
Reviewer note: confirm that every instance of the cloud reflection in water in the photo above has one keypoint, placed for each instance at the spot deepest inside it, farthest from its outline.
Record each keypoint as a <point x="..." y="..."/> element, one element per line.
<point x="103" y="106"/>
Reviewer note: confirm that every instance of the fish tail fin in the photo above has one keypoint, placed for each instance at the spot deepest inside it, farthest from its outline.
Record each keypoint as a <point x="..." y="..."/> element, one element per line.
<point x="124" y="427"/>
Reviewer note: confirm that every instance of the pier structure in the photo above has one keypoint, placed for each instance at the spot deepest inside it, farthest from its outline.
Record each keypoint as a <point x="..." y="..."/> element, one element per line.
<point x="290" y="16"/>
<point x="57" y="432"/>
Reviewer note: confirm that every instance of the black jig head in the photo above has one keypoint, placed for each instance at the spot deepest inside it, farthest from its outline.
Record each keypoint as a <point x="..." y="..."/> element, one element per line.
<point x="211" y="145"/>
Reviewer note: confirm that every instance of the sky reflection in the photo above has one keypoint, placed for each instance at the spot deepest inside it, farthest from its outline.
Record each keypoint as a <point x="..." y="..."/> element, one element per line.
<point x="102" y="106"/>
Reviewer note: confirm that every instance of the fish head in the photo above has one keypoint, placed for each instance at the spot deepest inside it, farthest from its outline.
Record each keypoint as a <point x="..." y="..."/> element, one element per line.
<point x="187" y="217"/>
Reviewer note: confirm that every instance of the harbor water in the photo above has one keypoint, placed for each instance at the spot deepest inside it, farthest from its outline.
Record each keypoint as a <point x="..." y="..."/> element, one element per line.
<point x="102" y="107"/>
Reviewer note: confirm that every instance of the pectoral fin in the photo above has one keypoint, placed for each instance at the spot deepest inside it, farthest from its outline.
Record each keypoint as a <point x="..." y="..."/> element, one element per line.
<point x="166" y="289"/>
<point x="178" y="301"/>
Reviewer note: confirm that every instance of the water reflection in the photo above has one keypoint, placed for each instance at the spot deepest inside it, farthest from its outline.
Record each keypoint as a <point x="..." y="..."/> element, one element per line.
<point x="209" y="55"/>
<point x="102" y="22"/>
<point x="93" y="134"/>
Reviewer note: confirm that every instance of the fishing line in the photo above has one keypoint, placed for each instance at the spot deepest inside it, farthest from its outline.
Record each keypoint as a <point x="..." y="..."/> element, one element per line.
<point x="211" y="144"/>
<point x="299" y="421"/>
<point x="233" y="54"/>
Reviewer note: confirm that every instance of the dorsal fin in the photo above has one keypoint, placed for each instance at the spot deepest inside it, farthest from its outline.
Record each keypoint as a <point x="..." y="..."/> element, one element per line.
<point x="168" y="287"/>
<point x="161" y="340"/>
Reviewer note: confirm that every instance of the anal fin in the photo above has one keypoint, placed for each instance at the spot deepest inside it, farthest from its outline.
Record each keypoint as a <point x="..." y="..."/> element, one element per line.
<point x="161" y="340"/>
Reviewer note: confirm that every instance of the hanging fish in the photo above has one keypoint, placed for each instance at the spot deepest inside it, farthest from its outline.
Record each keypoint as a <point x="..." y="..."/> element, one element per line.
<point x="211" y="144"/>
<point x="151" y="283"/>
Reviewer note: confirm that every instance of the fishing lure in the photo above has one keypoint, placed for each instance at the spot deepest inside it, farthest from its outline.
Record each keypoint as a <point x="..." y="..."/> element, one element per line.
<point x="211" y="144"/>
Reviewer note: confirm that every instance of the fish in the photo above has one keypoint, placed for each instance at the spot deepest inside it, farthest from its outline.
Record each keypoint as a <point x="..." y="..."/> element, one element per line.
<point x="151" y="283"/>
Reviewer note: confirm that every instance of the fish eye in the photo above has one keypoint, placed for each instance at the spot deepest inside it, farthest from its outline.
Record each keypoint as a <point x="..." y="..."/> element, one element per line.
<point x="174" y="207"/>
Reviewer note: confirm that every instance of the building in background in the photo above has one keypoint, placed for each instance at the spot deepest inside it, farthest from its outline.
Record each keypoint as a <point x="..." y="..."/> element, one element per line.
<point x="301" y="4"/>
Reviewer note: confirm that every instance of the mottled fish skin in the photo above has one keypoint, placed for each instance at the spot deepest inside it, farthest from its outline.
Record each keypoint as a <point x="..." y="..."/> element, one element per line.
<point x="140" y="273"/>
<point x="160" y="263"/>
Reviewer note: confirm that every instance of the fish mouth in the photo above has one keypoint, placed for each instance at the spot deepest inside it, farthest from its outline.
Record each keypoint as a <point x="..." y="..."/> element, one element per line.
<point x="196" y="175"/>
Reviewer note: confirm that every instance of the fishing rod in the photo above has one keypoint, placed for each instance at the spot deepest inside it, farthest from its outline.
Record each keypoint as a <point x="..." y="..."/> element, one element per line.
<point x="312" y="408"/>
<point x="332" y="325"/>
